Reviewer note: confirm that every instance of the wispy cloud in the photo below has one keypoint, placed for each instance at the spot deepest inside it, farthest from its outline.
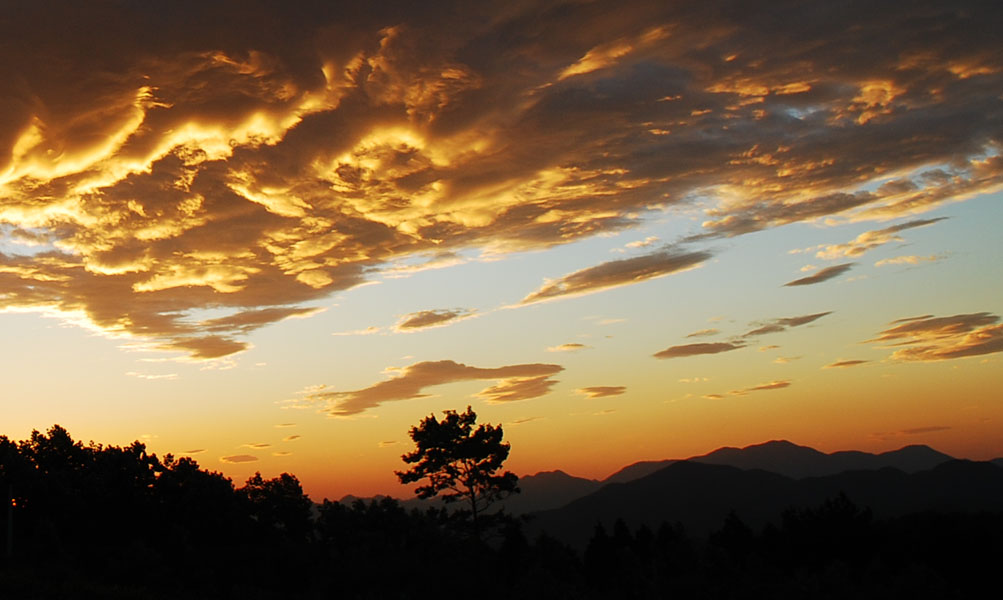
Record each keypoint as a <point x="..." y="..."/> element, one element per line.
<point x="907" y="260"/>
<point x="783" y="324"/>
<point x="703" y="333"/>
<point x="697" y="349"/>
<point x="516" y="382"/>
<point x="773" y="385"/>
<point x="570" y="347"/>
<point x="617" y="273"/>
<point x="842" y="364"/>
<point x="870" y="240"/>
<point x="426" y="319"/>
<point x="238" y="458"/>
<point x="602" y="391"/>
<point x="290" y="438"/>
<point x="822" y="275"/>
<point x="929" y="338"/>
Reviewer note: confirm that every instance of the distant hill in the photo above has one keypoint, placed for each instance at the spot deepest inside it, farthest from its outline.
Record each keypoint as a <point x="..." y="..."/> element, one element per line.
<point x="998" y="462"/>
<point x="547" y="490"/>
<point x="792" y="460"/>
<point x="700" y="495"/>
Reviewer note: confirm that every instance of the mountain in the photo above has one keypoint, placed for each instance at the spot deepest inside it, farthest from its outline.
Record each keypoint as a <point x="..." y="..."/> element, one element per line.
<point x="792" y="460"/>
<point x="700" y="496"/>
<point x="998" y="462"/>
<point x="547" y="490"/>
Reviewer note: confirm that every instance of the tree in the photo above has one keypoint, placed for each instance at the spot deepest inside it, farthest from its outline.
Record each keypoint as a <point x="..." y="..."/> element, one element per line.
<point x="461" y="461"/>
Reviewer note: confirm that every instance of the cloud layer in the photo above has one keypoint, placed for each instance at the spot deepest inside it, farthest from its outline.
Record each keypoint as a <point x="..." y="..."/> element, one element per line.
<point x="251" y="160"/>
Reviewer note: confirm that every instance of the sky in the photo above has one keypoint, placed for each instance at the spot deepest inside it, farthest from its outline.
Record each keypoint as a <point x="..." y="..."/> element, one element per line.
<point x="275" y="236"/>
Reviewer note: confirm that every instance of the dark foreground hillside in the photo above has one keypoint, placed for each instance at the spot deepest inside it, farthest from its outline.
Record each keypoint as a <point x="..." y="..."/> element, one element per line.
<point x="116" y="523"/>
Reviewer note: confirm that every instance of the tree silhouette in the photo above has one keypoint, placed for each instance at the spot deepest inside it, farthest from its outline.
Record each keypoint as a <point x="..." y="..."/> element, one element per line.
<point x="461" y="461"/>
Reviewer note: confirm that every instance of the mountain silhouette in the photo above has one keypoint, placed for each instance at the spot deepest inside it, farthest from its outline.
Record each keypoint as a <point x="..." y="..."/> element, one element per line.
<point x="700" y="496"/>
<point x="792" y="460"/>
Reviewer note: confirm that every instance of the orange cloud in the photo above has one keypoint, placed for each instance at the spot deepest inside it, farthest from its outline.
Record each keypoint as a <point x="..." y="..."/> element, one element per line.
<point x="569" y="347"/>
<point x="517" y="382"/>
<point x="870" y="240"/>
<point x="842" y="364"/>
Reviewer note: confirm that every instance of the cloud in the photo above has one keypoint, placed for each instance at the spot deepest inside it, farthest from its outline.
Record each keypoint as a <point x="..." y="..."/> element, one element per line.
<point x="929" y="338"/>
<point x="517" y="382"/>
<point x="703" y="333"/>
<point x="283" y="425"/>
<point x="602" y="391"/>
<point x="823" y="275"/>
<point x="195" y="451"/>
<point x="221" y="165"/>
<point x="290" y="438"/>
<point x="842" y="364"/>
<point x="888" y="435"/>
<point x="524" y="420"/>
<point x="713" y="396"/>
<point x="517" y="388"/>
<point x="783" y="324"/>
<point x="257" y="446"/>
<point x="367" y="331"/>
<point x="386" y="444"/>
<point x="695" y="349"/>
<point x="571" y="347"/>
<point x="907" y="260"/>
<point x="152" y="376"/>
<point x="783" y="360"/>
<point x="426" y="319"/>
<point x="773" y="385"/>
<point x="617" y="273"/>
<point x="282" y="453"/>
<point x="768" y="348"/>
<point x="648" y="241"/>
<point x="870" y="240"/>
<point x="238" y="458"/>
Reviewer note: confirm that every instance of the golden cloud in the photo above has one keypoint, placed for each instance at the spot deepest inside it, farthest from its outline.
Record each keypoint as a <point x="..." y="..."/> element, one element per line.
<point x="569" y="347"/>
<point x="195" y="164"/>
<point x="870" y="240"/>
<point x="517" y="382"/>
<point x="929" y="338"/>
<point x="782" y="324"/>
<point x="238" y="458"/>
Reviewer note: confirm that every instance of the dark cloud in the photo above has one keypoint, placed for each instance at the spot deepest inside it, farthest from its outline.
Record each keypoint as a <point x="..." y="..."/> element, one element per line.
<point x="602" y="391"/>
<point x="930" y="338"/>
<point x="618" y="272"/>
<point x="516" y="382"/>
<point x="432" y="318"/>
<point x="823" y="275"/>
<point x="842" y="364"/>
<point x="782" y="324"/>
<point x="695" y="349"/>
<point x="252" y="159"/>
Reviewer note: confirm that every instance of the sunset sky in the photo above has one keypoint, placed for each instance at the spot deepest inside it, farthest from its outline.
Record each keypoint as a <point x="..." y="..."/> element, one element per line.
<point x="274" y="236"/>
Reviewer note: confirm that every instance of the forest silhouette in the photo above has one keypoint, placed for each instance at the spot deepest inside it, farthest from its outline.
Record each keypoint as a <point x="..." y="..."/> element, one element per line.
<point x="97" y="521"/>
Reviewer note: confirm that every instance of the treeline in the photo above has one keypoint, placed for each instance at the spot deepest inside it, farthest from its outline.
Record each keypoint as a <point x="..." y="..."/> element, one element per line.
<point x="108" y="522"/>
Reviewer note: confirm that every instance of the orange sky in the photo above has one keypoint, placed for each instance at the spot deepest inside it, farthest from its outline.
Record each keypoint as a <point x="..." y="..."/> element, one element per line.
<point x="275" y="237"/>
